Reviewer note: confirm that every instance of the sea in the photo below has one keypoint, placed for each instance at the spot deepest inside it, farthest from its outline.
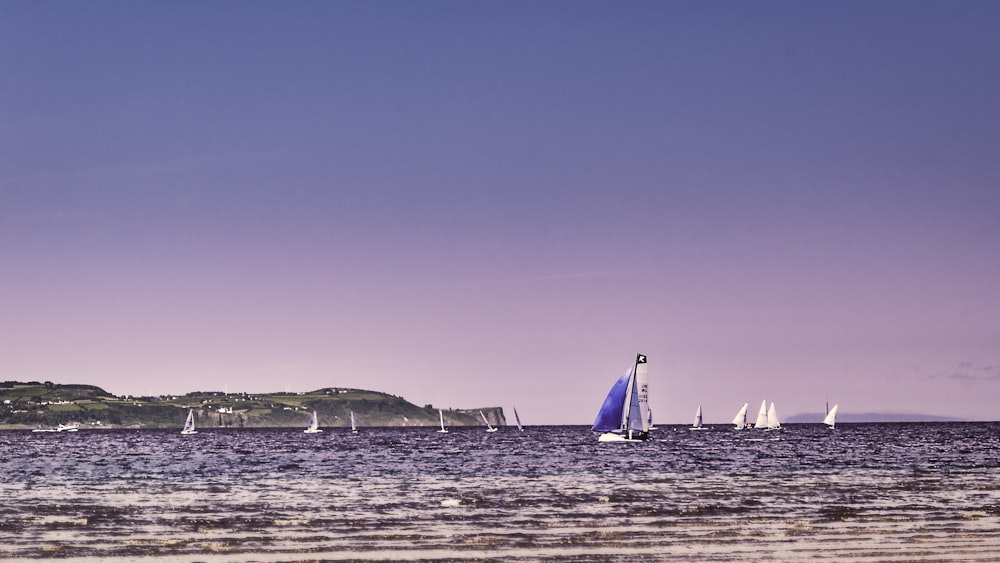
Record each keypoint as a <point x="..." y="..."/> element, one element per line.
<point x="860" y="492"/>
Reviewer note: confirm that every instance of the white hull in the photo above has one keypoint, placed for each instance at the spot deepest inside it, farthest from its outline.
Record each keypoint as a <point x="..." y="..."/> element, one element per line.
<point x="698" y="428"/>
<point x="311" y="431"/>
<point x="186" y="432"/>
<point x="615" y="437"/>
<point x="60" y="428"/>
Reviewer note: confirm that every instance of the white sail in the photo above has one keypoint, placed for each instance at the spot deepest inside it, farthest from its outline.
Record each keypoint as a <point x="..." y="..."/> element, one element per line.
<point x="313" y="427"/>
<point x="489" y="427"/>
<point x="642" y="386"/>
<point x="189" y="423"/>
<point x="441" y="415"/>
<point x="761" y="416"/>
<point x="740" y="421"/>
<point x="354" y="423"/>
<point x="518" y="420"/>
<point x="697" y="424"/>
<point x="772" y="418"/>
<point x="831" y="417"/>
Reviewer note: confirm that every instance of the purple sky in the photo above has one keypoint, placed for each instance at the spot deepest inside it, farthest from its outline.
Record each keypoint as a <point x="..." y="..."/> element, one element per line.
<point x="500" y="203"/>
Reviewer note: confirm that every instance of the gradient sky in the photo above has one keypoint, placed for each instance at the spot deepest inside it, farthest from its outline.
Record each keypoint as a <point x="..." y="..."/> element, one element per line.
<point x="500" y="203"/>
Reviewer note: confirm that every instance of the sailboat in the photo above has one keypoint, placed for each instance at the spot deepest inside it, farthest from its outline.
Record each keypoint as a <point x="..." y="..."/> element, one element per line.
<point x="697" y="425"/>
<point x="772" y="418"/>
<point x="354" y="424"/>
<point x="189" y="423"/>
<point x="313" y="427"/>
<point x="441" y="415"/>
<point x="741" y="417"/>
<point x="649" y="420"/>
<point x="761" y="422"/>
<point x="489" y="427"/>
<point x="623" y="415"/>
<point x="517" y="419"/>
<point x="831" y="417"/>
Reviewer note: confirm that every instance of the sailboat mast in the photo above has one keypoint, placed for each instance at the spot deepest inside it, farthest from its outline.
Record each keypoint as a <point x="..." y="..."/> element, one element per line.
<point x="627" y="407"/>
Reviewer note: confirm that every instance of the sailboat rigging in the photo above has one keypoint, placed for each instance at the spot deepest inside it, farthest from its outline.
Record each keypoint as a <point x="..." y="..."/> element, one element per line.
<point x="189" y="423"/>
<point x="761" y="422"/>
<point x="624" y="414"/>
<point x="441" y="415"/>
<point x="313" y="427"/>
<point x="772" y="418"/>
<point x="740" y="421"/>
<point x="831" y="418"/>
<point x="489" y="427"/>
<point x="697" y="424"/>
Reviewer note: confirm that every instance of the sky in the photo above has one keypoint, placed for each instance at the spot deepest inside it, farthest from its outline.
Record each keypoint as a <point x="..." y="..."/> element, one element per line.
<point x="500" y="203"/>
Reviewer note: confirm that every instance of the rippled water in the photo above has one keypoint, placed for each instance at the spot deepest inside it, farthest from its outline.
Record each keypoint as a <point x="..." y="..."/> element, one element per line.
<point x="878" y="492"/>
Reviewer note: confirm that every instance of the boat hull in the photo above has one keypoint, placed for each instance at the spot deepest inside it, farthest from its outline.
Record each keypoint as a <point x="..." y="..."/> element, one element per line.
<point x="615" y="437"/>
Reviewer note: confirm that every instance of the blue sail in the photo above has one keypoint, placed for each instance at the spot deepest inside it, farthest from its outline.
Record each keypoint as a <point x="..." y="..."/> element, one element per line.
<point x="609" y="418"/>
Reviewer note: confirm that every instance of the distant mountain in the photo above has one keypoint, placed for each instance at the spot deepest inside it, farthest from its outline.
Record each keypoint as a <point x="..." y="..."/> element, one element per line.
<point x="873" y="417"/>
<point x="34" y="404"/>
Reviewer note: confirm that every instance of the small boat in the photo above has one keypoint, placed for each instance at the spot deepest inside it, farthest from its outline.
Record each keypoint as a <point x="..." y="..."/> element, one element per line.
<point x="60" y="428"/>
<point x="313" y="427"/>
<point x="697" y="424"/>
<point x="517" y="419"/>
<point x="624" y="414"/>
<point x="189" y="423"/>
<point x="761" y="422"/>
<point x="441" y="415"/>
<point x="741" y="417"/>
<point x="772" y="418"/>
<point x="831" y="418"/>
<point x="649" y="420"/>
<point x="354" y="424"/>
<point x="489" y="427"/>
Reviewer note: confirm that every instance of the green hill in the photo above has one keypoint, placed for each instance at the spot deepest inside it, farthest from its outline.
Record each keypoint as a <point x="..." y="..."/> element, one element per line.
<point x="34" y="404"/>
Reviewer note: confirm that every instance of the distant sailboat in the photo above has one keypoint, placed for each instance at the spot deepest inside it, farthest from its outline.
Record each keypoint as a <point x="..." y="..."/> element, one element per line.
<point x="649" y="420"/>
<point x="489" y="427"/>
<point x="761" y="422"/>
<point x="517" y="419"/>
<point x="189" y="423"/>
<point x="697" y="424"/>
<point x="313" y="427"/>
<point x="441" y="415"/>
<point x="354" y="424"/>
<point x="772" y="418"/>
<point x="623" y="415"/>
<point x="831" y="417"/>
<point x="741" y="417"/>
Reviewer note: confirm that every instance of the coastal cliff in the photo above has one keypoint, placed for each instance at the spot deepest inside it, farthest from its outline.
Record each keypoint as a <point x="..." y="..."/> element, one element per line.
<point x="33" y="404"/>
